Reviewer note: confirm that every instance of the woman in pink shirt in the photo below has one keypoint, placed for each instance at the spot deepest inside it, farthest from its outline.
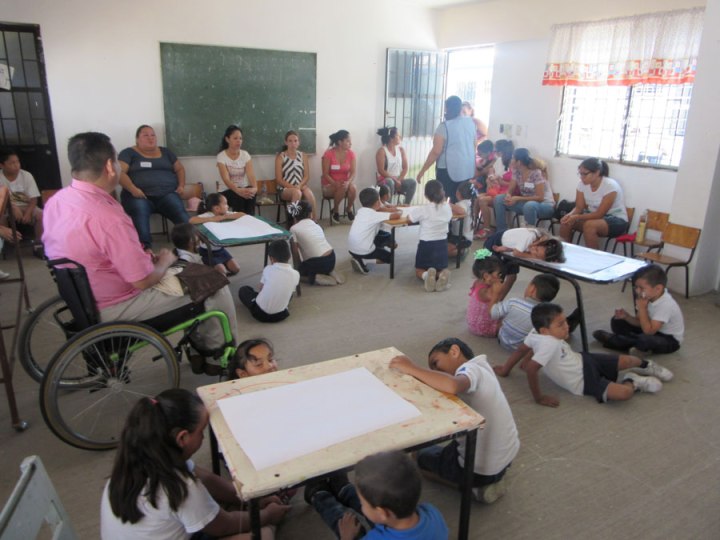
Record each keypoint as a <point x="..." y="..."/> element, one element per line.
<point x="338" y="174"/>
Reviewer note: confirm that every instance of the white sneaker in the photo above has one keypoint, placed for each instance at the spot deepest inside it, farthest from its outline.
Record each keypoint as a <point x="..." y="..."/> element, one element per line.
<point x="430" y="280"/>
<point x="338" y="277"/>
<point x="4" y="275"/>
<point x="490" y="494"/>
<point x="442" y="280"/>
<point x="654" y="370"/>
<point x="359" y="267"/>
<point x="644" y="384"/>
<point x="325" y="280"/>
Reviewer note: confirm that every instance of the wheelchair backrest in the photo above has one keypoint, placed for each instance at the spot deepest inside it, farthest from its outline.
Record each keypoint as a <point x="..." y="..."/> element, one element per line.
<point x="74" y="288"/>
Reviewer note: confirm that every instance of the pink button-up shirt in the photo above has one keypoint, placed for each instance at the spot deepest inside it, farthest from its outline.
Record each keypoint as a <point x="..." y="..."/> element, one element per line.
<point x="84" y="223"/>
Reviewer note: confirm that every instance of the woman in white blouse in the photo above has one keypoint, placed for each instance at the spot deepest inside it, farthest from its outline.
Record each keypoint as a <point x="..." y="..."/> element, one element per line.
<point x="236" y="170"/>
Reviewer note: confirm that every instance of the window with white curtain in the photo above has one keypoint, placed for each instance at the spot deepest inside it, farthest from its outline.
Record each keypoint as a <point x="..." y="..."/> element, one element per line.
<point x="627" y="85"/>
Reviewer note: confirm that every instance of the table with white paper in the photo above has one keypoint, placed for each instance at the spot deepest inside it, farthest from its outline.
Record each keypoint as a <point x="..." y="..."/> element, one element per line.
<point x="441" y="416"/>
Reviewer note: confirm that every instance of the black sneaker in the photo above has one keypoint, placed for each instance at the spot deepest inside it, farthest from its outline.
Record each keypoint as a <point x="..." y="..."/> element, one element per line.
<point x="602" y="336"/>
<point x="336" y="218"/>
<point x="358" y="266"/>
<point x="336" y="482"/>
<point x="351" y="215"/>
<point x="313" y="486"/>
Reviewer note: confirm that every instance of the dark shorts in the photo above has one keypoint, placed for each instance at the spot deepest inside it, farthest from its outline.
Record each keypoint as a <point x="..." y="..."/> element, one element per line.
<point x="443" y="461"/>
<point x="599" y="370"/>
<point x="495" y="239"/>
<point x="616" y="226"/>
<point x="432" y="254"/>
<point x="220" y="256"/>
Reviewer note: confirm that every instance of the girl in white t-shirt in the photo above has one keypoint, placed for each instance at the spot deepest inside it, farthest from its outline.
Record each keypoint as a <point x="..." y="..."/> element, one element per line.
<point x="309" y="242"/>
<point x="599" y="206"/>
<point x="156" y="492"/>
<point x="431" y="260"/>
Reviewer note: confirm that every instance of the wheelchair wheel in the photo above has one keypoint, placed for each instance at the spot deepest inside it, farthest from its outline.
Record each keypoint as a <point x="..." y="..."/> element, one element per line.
<point x="111" y="365"/>
<point x="47" y="329"/>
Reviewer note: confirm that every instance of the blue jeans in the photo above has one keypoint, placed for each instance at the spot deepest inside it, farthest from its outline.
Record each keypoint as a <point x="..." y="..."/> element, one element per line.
<point x="407" y="187"/>
<point x="332" y="509"/>
<point x="140" y="210"/>
<point x="531" y="210"/>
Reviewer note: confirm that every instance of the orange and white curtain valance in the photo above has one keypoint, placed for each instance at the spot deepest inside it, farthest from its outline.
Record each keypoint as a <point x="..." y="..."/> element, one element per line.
<point x="657" y="48"/>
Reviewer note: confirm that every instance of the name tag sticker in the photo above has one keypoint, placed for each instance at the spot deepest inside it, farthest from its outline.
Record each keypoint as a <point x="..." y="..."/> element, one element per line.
<point x="529" y="185"/>
<point x="334" y="167"/>
<point x="146" y="164"/>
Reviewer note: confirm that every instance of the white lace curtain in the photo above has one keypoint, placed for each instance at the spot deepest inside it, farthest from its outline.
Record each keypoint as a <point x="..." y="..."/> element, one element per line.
<point x="657" y="48"/>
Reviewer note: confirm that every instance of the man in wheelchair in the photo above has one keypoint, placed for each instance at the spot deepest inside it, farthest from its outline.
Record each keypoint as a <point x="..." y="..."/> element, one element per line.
<point x="84" y="223"/>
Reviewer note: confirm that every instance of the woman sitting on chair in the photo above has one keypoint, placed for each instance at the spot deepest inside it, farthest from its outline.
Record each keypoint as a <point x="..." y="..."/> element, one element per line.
<point x="392" y="165"/>
<point x="599" y="206"/>
<point x="292" y="173"/>
<point x="338" y="174"/>
<point x="236" y="170"/>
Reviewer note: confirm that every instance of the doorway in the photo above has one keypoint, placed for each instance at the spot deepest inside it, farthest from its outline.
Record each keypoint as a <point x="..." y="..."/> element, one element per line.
<point x="25" y="118"/>
<point x="469" y="76"/>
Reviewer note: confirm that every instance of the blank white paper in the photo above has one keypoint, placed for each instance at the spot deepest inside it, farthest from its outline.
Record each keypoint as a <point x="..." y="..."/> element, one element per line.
<point x="244" y="227"/>
<point x="283" y="423"/>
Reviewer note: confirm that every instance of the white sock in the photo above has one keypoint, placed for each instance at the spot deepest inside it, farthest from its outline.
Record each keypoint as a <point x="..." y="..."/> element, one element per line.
<point x="424" y="275"/>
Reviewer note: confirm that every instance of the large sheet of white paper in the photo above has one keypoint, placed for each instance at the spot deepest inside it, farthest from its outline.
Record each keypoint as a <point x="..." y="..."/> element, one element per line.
<point x="406" y="210"/>
<point x="280" y="424"/>
<point x="244" y="227"/>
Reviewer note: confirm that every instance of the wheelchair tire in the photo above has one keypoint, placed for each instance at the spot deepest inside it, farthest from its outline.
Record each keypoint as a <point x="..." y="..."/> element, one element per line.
<point x="42" y="335"/>
<point x="108" y="378"/>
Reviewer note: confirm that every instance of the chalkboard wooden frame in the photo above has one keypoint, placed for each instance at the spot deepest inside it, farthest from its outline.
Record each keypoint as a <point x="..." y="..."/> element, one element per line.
<point x="266" y="92"/>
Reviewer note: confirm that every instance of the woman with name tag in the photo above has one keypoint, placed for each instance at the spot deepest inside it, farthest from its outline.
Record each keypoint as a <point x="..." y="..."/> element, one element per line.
<point x="292" y="173"/>
<point x="534" y="200"/>
<point x="236" y="170"/>
<point x="152" y="180"/>
<point x="338" y="174"/>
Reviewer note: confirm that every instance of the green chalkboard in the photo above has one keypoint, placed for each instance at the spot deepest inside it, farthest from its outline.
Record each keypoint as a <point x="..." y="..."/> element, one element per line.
<point x="266" y="93"/>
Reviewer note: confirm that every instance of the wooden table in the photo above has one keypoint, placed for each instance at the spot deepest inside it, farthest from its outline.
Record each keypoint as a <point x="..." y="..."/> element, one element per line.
<point x="403" y="222"/>
<point x="442" y="417"/>
<point x="611" y="268"/>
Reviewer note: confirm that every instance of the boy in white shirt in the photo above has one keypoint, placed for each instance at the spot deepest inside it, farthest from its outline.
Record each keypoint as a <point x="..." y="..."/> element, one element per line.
<point x="366" y="240"/>
<point x="24" y="195"/>
<point x="589" y="374"/>
<point x="455" y="369"/>
<point x="277" y="285"/>
<point x="658" y="326"/>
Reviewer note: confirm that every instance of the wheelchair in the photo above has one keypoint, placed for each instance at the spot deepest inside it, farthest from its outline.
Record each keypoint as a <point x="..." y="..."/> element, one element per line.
<point x="100" y="370"/>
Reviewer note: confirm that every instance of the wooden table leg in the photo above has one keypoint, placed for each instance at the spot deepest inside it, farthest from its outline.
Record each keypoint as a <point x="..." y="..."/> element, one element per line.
<point x="255" y="519"/>
<point x="392" y="253"/>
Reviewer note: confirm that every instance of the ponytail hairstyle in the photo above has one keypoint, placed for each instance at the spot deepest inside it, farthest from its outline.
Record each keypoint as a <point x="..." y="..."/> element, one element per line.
<point x="387" y="134"/>
<point x="486" y="263"/>
<point x="211" y="201"/>
<point x="595" y="165"/>
<point x="148" y="458"/>
<point x="434" y="192"/>
<point x="232" y="128"/>
<point x="299" y="210"/>
<point x="505" y="148"/>
<point x="284" y="147"/>
<point x="338" y="136"/>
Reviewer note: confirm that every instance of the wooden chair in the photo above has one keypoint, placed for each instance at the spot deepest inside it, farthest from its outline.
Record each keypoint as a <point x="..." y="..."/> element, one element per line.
<point x="191" y="191"/>
<point x="680" y="236"/>
<point x="656" y="221"/>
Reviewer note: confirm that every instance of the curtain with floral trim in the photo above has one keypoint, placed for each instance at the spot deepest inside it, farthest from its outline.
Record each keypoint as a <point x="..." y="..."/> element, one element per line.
<point x="657" y="48"/>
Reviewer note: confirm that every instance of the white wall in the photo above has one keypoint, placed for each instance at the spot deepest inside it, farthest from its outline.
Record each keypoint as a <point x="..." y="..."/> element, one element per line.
<point x="103" y="62"/>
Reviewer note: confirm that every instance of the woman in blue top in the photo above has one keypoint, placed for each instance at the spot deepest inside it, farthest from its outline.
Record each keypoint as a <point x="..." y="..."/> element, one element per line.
<point x="528" y="194"/>
<point x="453" y="149"/>
<point x="152" y="180"/>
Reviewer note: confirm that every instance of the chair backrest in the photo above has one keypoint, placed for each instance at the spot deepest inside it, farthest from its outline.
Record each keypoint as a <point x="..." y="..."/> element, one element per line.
<point x="630" y="213"/>
<point x="33" y="504"/>
<point x="657" y="221"/>
<point x="193" y="190"/>
<point x="269" y="185"/>
<point x="45" y="194"/>
<point x="681" y="235"/>
<point x="74" y="288"/>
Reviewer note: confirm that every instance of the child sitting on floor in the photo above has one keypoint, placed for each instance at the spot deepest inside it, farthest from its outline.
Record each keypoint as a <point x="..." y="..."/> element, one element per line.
<point x="484" y="293"/>
<point x="515" y="312"/>
<point x="387" y="491"/>
<point x="156" y="491"/>
<point x="455" y="369"/>
<point x="431" y="259"/>
<point x="366" y="240"/>
<point x="218" y="211"/>
<point x="277" y="285"/>
<point x="318" y="256"/>
<point x="589" y="374"/>
<point x="658" y="325"/>
<point x="462" y="239"/>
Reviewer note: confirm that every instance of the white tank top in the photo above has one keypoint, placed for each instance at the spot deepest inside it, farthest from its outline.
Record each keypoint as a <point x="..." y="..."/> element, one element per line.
<point x="394" y="163"/>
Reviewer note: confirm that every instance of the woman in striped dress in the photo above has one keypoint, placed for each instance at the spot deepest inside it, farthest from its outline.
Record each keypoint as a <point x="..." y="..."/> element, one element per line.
<point x="292" y="173"/>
